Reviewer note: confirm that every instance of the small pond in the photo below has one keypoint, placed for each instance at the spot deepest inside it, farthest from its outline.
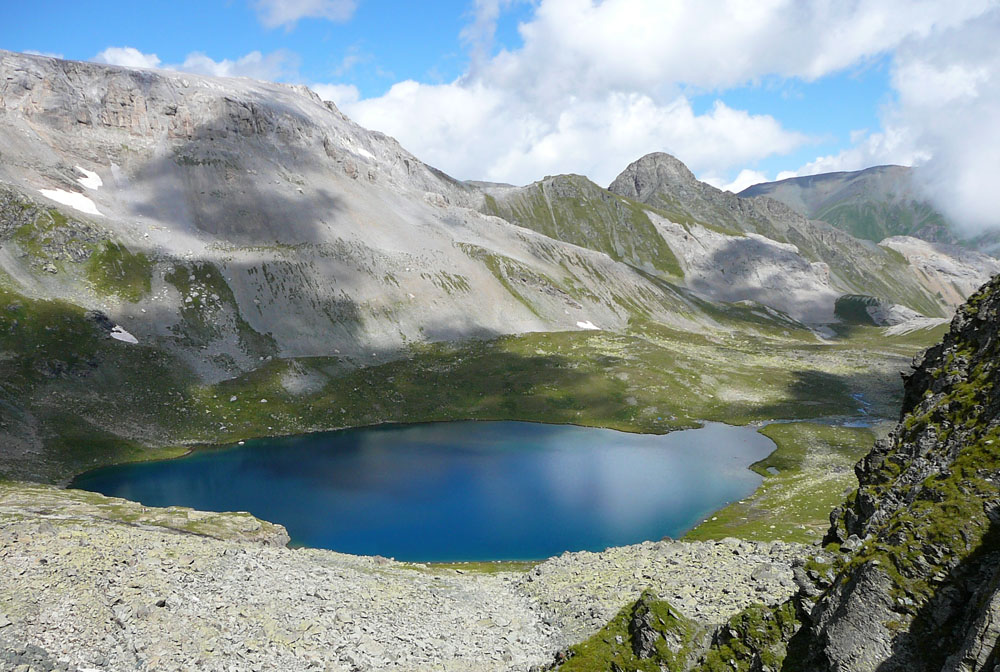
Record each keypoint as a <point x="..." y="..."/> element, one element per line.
<point x="460" y="490"/>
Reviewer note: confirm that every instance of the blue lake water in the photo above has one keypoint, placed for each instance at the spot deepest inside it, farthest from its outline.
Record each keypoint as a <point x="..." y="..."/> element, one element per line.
<point x="460" y="490"/>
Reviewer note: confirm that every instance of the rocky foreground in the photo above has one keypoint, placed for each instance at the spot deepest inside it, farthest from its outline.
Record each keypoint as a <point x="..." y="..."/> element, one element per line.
<point x="92" y="583"/>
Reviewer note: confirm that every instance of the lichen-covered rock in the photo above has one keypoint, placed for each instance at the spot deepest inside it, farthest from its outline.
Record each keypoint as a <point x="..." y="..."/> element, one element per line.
<point x="920" y="591"/>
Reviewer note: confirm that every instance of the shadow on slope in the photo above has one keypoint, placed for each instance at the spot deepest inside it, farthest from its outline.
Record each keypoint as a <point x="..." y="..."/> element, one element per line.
<point x="961" y="611"/>
<point x="229" y="178"/>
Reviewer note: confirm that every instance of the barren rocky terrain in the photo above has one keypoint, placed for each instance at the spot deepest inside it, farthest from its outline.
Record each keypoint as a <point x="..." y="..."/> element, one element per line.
<point x="93" y="583"/>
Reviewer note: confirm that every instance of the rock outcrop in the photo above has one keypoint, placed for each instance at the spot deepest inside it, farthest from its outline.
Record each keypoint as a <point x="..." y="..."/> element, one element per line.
<point x="913" y="582"/>
<point x="919" y="590"/>
<point x="92" y="582"/>
<point x="842" y="263"/>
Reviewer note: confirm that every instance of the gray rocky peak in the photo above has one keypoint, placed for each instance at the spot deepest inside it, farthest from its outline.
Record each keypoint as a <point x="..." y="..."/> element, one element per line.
<point x="653" y="173"/>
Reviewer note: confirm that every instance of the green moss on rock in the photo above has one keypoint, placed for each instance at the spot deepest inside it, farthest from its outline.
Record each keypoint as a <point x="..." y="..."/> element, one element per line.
<point x="114" y="270"/>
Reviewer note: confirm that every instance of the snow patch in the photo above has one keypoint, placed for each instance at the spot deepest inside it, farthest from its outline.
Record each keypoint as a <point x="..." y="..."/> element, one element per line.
<point x="120" y="334"/>
<point x="914" y="324"/>
<point x="587" y="325"/>
<point x="72" y="199"/>
<point x="90" y="180"/>
<point x="363" y="152"/>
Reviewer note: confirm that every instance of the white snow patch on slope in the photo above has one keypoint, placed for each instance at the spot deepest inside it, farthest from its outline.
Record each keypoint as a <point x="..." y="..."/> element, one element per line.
<point x="72" y="199"/>
<point x="120" y="334"/>
<point x="90" y="180"/>
<point x="363" y="152"/>
<point x="587" y="325"/>
<point x="914" y="325"/>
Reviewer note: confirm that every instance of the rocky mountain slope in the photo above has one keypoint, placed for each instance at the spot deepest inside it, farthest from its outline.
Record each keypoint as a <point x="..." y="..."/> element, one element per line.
<point x="920" y="587"/>
<point x="872" y="204"/>
<point x="841" y="264"/>
<point x="323" y="232"/>
<point x="189" y="230"/>
<point x="212" y="226"/>
<point x="97" y="583"/>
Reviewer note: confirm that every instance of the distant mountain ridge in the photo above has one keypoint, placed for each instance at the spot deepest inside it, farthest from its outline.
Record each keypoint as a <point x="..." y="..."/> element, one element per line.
<point x="872" y="204"/>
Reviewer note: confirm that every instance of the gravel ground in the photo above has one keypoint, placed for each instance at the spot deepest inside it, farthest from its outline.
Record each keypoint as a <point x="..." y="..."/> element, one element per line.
<point x="89" y="583"/>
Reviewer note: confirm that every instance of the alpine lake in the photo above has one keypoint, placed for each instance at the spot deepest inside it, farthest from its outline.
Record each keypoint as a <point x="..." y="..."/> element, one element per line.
<point x="460" y="491"/>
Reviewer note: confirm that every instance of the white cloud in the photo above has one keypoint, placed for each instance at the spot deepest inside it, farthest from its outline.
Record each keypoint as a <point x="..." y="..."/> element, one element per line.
<point x="274" y="13"/>
<point x="49" y="54"/>
<point x="958" y="127"/>
<point x="276" y="65"/>
<point x="893" y="145"/>
<point x="480" y="33"/>
<point x="746" y="178"/>
<point x="944" y="121"/>
<point x="128" y="57"/>
<point x="474" y="130"/>
<point x="339" y="94"/>
<point x="598" y="84"/>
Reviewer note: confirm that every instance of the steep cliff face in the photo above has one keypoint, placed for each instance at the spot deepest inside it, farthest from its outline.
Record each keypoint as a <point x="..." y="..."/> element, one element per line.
<point x="921" y="590"/>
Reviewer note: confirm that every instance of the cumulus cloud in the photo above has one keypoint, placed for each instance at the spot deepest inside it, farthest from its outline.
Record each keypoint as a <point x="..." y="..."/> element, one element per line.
<point x="746" y="178"/>
<point x="480" y="33"/>
<point x="338" y="94"/>
<point x="128" y="57"/>
<point x="943" y="121"/>
<point x="474" y="130"/>
<point x="949" y="102"/>
<point x="274" y="13"/>
<point x="597" y="84"/>
<point x="276" y="65"/>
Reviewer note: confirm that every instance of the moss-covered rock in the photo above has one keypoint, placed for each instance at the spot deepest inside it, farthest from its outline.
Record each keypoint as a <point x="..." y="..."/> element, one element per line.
<point x="646" y="636"/>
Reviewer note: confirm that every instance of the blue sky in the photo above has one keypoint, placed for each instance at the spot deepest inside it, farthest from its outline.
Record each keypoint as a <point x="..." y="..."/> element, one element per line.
<point x="511" y="90"/>
<point x="390" y="40"/>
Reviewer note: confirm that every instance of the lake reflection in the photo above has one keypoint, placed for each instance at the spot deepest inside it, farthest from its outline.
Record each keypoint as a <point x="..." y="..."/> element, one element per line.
<point x="460" y="490"/>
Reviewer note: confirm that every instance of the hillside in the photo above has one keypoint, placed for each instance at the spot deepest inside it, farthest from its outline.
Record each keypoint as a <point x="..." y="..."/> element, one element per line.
<point x="189" y="261"/>
<point x="840" y="264"/>
<point x="909" y="577"/>
<point x="872" y="204"/>
<point x="232" y="238"/>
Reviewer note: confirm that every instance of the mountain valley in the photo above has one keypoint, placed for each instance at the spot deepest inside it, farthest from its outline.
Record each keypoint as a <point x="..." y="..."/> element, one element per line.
<point x="189" y="261"/>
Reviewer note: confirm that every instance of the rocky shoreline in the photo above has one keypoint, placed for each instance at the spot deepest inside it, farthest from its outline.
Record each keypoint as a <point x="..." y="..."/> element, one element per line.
<point x="93" y="583"/>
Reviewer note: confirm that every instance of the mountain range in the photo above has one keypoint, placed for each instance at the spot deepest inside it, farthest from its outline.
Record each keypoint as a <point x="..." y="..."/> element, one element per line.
<point x="190" y="260"/>
<point x="223" y="224"/>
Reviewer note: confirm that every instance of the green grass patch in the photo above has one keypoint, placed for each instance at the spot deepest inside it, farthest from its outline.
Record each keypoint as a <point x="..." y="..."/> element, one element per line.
<point x="573" y="209"/>
<point x="759" y="637"/>
<point x="807" y="475"/>
<point x="493" y="567"/>
<point x="674" y="636"/>
<point x="115" y="271"/>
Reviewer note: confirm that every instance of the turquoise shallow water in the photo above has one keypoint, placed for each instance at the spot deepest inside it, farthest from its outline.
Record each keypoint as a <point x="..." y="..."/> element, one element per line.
<point x="460" y="490"/>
